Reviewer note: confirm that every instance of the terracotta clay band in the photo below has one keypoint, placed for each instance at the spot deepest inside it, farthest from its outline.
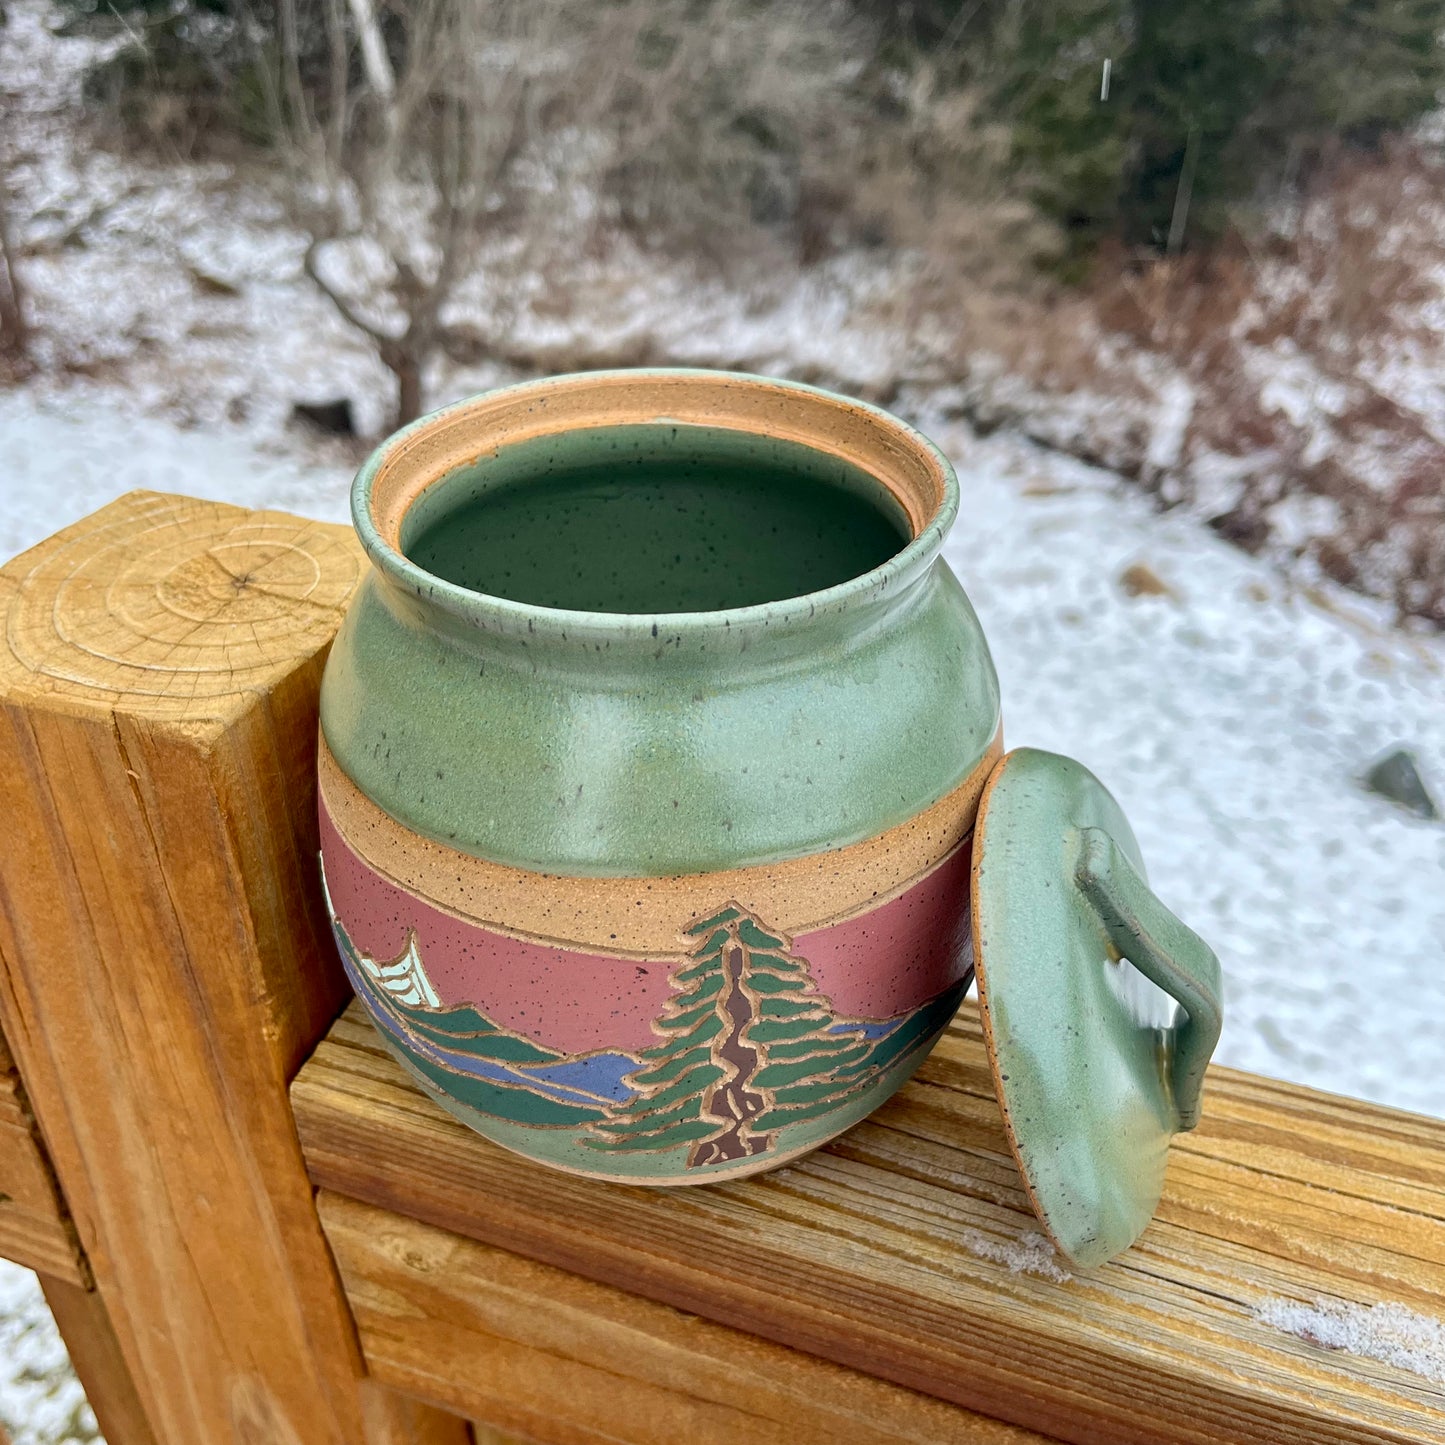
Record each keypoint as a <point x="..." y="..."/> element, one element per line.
<point x="640" y="917"/>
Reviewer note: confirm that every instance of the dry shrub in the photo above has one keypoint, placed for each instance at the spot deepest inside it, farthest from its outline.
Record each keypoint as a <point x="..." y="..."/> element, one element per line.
<point x="782" y="136"/>
<point x="487" y="166"/>
<point x="929" y="174"/>
<point x="1362" y="250"/>
<point x="14" y="323"/>
<point x="1294" y="443"/>
<point x="1342" y="273"/>
<point x="716" y="121"/>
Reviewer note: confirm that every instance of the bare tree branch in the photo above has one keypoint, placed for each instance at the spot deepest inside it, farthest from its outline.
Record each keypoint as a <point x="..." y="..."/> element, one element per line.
<point x="499" y="129"/>
<point x="338" y="102"/>
<point x="379" y="73"/>
<point x="253" y="34"/>
<point x="300" y="112"/>
<point x="348" y="312"/>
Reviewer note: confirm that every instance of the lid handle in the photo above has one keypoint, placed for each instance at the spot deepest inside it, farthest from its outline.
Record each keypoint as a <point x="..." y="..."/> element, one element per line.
<point x="1165" y="951"/>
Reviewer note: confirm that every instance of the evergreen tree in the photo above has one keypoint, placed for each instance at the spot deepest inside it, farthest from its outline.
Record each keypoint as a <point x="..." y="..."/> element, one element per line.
<point x="1208" y="105"/>
<point x="1067" y="141"/>
<point x="749" y="1044"/>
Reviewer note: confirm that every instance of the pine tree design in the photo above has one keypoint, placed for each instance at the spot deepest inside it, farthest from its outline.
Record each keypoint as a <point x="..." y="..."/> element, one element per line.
<point x="748" y="1044"/>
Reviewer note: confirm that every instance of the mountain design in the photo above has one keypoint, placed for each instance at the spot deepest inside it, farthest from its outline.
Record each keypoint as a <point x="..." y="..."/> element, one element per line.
<point x="468" y="1057"/>
<point x="403" y="977"/>
<point x="747" y="1046"/>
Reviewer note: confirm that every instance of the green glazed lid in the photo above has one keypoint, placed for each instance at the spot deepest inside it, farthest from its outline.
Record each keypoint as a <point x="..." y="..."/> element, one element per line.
<point x="1098" y="1061"/>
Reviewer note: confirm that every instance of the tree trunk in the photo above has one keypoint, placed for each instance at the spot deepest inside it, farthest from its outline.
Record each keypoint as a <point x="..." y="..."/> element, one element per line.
<point x="14" y="336"/>
<point x="734" y="1099"/>
<point x="374" y="59"/>
<point x="407" y="368"/>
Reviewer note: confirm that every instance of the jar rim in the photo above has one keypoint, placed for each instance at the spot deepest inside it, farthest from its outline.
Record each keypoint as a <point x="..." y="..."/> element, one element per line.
<point x="420" y="455"/>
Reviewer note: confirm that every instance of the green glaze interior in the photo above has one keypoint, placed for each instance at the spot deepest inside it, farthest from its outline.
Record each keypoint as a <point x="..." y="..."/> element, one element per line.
<point x="803" y="710"/>
<point x="649" y="519"/>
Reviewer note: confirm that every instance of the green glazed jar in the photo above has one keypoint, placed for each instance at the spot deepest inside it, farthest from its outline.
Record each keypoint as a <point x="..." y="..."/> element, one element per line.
<point x="652" y="748"/>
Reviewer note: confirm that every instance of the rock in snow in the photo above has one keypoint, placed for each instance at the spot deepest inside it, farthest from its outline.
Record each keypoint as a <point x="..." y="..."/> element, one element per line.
<point x="332" y="417"/>
<point x="1140" y="580"/>
<point x="1396" y="776"/>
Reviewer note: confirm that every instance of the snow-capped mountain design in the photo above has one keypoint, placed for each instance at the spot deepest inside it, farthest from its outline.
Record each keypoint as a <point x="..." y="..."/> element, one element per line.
<point x="404" y="977"/>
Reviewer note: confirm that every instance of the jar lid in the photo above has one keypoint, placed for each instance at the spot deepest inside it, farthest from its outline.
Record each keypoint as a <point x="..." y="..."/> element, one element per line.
<point x="1100" y="1008"/>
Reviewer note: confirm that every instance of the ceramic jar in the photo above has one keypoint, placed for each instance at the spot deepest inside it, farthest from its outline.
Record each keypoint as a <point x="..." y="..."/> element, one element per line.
<point x="652" y="748"/>
<point x="659" y="895"/>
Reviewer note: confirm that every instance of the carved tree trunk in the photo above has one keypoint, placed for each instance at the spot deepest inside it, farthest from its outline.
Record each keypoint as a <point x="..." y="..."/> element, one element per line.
<point x="734" y="1099"/>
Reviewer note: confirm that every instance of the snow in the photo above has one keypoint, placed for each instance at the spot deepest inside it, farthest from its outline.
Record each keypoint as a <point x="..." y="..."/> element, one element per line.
<point x="41" y="1402"/>
<point x="66" y="455"/>
<point x="1290" y="382"/>
<point x="1166" y="439"/>
<point x="1030" y="1253"/>
<point x="1389" y="1333"/>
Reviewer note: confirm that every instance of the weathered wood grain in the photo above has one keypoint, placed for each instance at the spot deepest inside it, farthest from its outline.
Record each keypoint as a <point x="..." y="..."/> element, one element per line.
<point x="36" y="1231"/>
<point x="84" y="1324"/>
<point x="556" y="1358"/>
<point x="164" y="960"/>
<point x="905" y="1249"/>
<point x="34" y="1228"/>
<point x="396" y="1419"/>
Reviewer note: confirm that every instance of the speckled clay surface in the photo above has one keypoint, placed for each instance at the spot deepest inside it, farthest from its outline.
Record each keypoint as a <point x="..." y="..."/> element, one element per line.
<point x="668" y="896"/>
<point x="1079" y="970"/>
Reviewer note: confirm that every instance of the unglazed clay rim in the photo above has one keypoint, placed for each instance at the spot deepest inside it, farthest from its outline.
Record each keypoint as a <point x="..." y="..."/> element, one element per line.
<point x="420" y="455"/>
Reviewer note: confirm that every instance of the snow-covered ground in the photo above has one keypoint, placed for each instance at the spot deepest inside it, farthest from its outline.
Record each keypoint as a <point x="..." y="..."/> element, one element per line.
<point x="1233" y="720"/>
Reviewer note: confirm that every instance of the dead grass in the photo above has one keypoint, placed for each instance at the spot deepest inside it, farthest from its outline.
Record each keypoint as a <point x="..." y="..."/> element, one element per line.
<point x="1296" y="441"/>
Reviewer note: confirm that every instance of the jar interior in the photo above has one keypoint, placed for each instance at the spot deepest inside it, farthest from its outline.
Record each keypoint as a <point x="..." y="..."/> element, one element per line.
<point x="654" y="518"/>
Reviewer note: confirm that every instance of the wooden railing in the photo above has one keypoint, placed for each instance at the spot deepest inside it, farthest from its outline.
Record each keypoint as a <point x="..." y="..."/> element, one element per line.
<point x="186" y="1074"/>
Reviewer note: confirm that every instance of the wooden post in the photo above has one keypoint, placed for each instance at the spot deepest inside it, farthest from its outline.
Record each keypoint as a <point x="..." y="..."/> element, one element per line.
<point x="84" y="1325"/>
<point x="164" y="961"/>
<point x="36" y="1231"/>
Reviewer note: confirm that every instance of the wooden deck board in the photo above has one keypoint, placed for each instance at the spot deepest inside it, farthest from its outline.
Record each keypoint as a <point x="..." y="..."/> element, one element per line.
<point x="534" y="1350"/>
<point x="905" y="1250"/>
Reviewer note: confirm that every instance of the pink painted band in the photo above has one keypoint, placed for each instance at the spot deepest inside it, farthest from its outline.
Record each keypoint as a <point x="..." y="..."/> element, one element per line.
<point x="874" y="965"/>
